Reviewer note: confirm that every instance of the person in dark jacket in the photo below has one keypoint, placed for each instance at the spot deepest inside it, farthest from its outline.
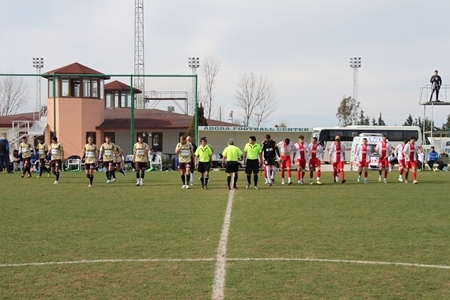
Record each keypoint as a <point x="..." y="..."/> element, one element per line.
<point x="432" y="157"/>
<point x="436" y="82"/>
<point x="4" y="153"/>
<point x="441" y="164"/>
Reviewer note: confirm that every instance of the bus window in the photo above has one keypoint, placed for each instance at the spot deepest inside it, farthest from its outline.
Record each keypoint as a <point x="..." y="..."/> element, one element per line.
<point x="333" y="134"/>
<point x="395" y="135"/>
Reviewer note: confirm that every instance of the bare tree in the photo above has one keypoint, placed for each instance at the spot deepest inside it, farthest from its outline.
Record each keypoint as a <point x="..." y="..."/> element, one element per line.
<point x="13" y="95"/>
<point x="209" y="70"/>
<point x="256" y="96"/>
<point x="219" y="113"/>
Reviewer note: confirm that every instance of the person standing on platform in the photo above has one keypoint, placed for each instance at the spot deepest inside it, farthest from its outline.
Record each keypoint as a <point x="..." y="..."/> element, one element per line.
<point x="436" y="83"/>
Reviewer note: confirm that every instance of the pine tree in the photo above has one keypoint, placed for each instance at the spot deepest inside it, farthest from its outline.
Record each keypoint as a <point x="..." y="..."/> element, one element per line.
<point x="201" y="122"/>
<point x="381" y="121"/>
<point x="409" y="121"/>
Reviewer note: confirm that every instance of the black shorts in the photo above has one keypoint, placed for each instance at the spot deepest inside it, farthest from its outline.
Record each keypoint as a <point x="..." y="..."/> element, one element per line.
<point x="204" y="166"/>
<point x="252" y="166"/>
<point x="232" y="167"/>
<point x="270" y="162"/>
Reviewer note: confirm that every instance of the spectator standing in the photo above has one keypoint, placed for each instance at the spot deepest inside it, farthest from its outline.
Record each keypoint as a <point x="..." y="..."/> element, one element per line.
<point x="4" y="154"/>
<point x="421" y="159"/>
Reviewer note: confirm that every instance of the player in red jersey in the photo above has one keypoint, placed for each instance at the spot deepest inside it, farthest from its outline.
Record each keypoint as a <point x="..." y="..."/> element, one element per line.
<point x="384" y="150"/>
<point x="315" y="153"/>
<point x="300" y="158"/>
<point x="401" y="159"/>
<point x="410" y="153"/>
<point x="337" y="157"/>
<point x="286" y="149"/>
<point x="363" y="156"/>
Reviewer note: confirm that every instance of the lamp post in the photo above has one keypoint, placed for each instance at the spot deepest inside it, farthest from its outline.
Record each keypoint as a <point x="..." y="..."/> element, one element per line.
<point x="230" y="115"/>
<point x="194" y="63"/>
<point x="38" y="64"/>
<point x="355" y="64"/>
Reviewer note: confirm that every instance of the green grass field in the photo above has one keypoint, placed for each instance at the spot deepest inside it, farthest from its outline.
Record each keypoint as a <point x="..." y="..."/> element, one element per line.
<point x="119" y="241"/>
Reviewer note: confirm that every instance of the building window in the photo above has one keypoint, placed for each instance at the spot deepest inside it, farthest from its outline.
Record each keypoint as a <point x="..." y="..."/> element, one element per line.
<point x="156" y="141"/>
<point x="87" y="88"/>
<point x="64" y="87"/>
<point x="112" y="136"/>
<point x="124" y="100"/>
<point x="102" y="89"/>
<point x="75" y="88"/>
<point x="116" y="99"/>
<point x="94" y="88"/>
<point x="50" y="88"/>
<point x="93" y="134"/>
<point x="109" y="98"/>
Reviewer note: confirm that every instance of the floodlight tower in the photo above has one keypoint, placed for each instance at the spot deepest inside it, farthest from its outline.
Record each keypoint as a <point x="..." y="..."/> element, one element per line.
<point x="139" y="80"/>
<point x="194" y="64"/>
<point x="38" y="64"/>
<point x="355" y="64"/>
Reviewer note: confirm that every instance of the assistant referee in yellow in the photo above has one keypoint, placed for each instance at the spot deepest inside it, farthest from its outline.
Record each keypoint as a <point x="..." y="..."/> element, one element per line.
<point x="252" y="160"/>
<point x="231" y="154"/>
<point x="203" y="161"/>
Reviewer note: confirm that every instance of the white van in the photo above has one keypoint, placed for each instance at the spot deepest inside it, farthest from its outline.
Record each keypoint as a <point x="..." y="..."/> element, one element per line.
<point x="372" y="140"/>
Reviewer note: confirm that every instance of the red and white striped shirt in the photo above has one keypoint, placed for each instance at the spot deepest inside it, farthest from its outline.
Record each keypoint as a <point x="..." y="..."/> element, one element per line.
<point x="300" y="152"/>
<point x="411" y="152"/>
<point x="315" y="151"/>
<point x="363" y="153"/>
<point x="337" y="151"/>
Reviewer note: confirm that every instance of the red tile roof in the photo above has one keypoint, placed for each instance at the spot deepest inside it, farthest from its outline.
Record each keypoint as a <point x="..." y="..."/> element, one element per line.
<point x="75" y="68"/>
<point x="6" y="121"/>
<point x="117" y="86"/>
<point x="150" y="119"/>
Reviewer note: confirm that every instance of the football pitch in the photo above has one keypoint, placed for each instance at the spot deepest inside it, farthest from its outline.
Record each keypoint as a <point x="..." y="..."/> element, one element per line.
<point x="158" y="241"/>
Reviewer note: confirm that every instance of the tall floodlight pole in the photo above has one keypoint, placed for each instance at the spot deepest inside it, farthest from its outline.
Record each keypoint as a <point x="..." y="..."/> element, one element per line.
<point x="139" y="80"/>
<point x="355" y="64"/>
<point x="38" y="64"/>
<point x="194" y="64"/>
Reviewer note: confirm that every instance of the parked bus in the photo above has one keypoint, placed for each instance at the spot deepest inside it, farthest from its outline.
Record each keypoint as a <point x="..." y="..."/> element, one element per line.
<point x="395" y="135"/>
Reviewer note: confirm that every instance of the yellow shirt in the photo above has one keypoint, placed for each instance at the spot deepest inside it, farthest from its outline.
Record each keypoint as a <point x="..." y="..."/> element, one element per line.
<point x="184" y="156"/>
<point x="56" y="150"/>
<point x="140" y="152"/>
<point x="90" y="153"/>
<point x="232" y="153"/>
<point x="42" y="150"/>
<point x="108" y="151"/>
<point x="25" y="149"/>
<point x="204" y="153"/>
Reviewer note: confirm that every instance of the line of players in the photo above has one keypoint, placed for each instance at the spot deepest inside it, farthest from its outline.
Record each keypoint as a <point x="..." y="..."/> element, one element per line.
<point x="406" y="154"/>
<point x="108" y="153"/>
<point x="280" y="153"/>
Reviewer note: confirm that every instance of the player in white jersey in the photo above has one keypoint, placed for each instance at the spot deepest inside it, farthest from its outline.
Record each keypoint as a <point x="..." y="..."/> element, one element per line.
<point x="337" y="157"/>
<point x="410" y="153"/>
<point x="315" y="153"/>
<point x="363" y="157"/>
<point x="401" y="159"/>
<point x="300" y="154"/>
<point x="383" y="150"/>
<point x="286" y="149"/>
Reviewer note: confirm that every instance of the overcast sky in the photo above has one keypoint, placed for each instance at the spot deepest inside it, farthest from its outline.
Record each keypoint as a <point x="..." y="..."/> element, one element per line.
<point x="302" y="47"/>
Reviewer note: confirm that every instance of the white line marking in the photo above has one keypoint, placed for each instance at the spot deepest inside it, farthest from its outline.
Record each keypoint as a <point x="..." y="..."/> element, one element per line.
<point x="221" y="257"/>
<point x="95" y="261"/>
<point x="362" y="262"/>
